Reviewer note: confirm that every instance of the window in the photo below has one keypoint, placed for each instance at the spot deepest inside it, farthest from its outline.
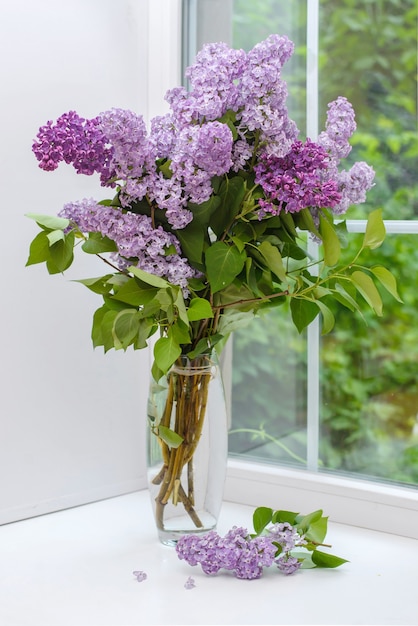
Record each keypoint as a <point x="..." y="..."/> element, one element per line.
<point x="347" y="402"/>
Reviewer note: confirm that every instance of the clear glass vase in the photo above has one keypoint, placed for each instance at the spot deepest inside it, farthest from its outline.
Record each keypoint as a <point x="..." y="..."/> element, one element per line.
<point x="187" y="447"/>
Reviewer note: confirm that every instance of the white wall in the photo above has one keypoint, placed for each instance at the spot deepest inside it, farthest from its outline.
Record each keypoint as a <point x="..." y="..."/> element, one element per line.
<point x="72" y="419"/>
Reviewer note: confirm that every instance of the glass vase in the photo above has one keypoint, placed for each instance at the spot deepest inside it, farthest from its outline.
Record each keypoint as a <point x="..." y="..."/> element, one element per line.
<point x="187" y="447"/>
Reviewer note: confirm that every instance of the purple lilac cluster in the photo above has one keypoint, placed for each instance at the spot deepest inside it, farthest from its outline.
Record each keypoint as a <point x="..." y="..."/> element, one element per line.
<point x="263" y="96"/>
<point x="354" y="183"/>
<point x="293" y="182"/>
<point x="240" y="553"/>
<point x="135" y="237"/>
<point x="75" y="140"/>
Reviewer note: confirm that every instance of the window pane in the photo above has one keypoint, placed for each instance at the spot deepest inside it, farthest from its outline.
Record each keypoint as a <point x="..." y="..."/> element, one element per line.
<point x="369" y="380"/>
<point x="368" y="53"/>
<point x="368" y="373"/>
<point x="269" y="391"/>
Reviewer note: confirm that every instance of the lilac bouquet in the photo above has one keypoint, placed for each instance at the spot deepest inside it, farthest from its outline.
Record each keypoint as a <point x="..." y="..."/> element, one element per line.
<point x="207" y="222"/>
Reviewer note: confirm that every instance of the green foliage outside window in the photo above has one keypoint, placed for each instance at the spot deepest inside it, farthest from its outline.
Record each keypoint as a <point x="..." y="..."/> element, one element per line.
<point x="368" y="371"/>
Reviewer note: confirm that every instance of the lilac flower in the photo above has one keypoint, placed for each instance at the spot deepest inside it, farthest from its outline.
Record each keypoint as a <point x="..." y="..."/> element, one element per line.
<point x="286" y="535"/>
<point x="75" y="140"/>
<point x="236" y="552"/>
<point x="288" y="564"/>
<point x="340" y="126"/>
<point x="213" y="80"/>
<point x="140" y="575"/>
<point x="200" y="153"/>
<point x="353" y="185"/>
<point x="263" y="95"/>
<point x="127" y="134"/>
<point x="294" y="182"/>
<point x="136" y="239"/>
<point x="163" y="135"/>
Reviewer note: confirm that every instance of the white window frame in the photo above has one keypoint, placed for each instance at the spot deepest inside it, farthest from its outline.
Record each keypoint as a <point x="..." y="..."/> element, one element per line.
<point x="365" y="503"/>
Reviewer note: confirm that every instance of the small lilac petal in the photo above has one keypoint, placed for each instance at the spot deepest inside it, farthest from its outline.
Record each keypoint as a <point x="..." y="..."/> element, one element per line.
<point x="140" y="575"/>
<point x="190" y="583"/>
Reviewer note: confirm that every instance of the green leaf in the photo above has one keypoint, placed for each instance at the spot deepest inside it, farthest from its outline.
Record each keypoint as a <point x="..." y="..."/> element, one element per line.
<point x="171" y="438"/>
<point x="145" y="330"/>
<point x="102" y="331"/>
<point x="387" y="279"/>
<point x="330" y="242"/>
<point x="345" y="298"/>
<point x="317" y="530"/>
<point x="112" y="304"/>
<point x="375" y="230"/>
<point x="322" y="559"/>
<point x="49" y="222"/>
<point x="166" y="351"/>
<point x="96" y="331"/>
<point x="205" y="345"/>
<point x="223" y="264"/>
<point x="284" y="516"/>
<point x="150" y="279"/>
<point x="192" y="240"/>
<point x="305" y="221"/>
<point x="273" y="260"/>
<point x="231" y="194"/>
<point x="289" y="224"/>
<point x="303" y="522"/>
<point x="261" y="517"/>
<point x="181" y="305"/>
<point x="199" y="309"/>
<point x="39" y="249"/>
<point x="61" y="254"/>
<point x="125" y="328"/>
<point x="328" y="319"/>
<point x="303" y="312"/>
<point x="135" y="292"/>
<point x="180" y="333"/>
<point x="366" y="287"/>
<point x="97" y="244"/>
<point x="54" y="236"/>
<point x="98" y="285"/>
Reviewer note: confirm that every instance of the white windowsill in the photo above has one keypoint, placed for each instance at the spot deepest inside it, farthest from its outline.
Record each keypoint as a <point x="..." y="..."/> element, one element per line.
<point x="75" y="568"/>
<point x="362" y="503"/>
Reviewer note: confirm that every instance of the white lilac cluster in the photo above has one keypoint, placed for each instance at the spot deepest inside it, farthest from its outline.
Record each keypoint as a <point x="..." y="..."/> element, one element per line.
<point x="243" y="555"/>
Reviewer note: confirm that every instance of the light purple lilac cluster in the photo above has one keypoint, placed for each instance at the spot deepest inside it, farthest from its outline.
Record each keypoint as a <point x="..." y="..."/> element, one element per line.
<point x="240" y="553"/>
<point x="353" y="184"/>
<point x="135" y="237"/>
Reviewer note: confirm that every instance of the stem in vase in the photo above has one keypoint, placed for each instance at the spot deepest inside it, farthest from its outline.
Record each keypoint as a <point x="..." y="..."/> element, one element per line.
<point x="190" y="392"/>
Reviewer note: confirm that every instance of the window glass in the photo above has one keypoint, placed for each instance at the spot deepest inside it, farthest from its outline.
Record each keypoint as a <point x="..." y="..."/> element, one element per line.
<point x="369" y="380"/>
<point x="368" y="53"/>
<point x="367" y="371"/>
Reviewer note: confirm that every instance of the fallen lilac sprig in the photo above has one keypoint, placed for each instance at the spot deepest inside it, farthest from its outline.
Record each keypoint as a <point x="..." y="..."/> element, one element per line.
<point x="284" y="539"/>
